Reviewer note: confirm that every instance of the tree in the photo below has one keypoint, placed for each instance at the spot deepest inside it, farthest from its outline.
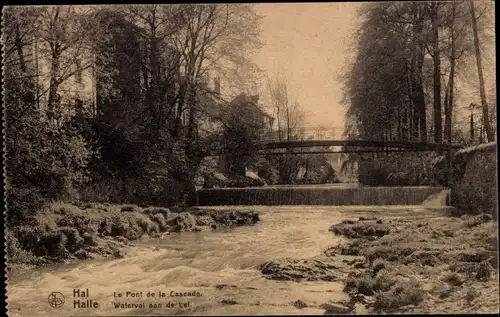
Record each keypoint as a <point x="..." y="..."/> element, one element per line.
<point x="44" y="161"/>
<point x="489" y="133"/>
<point x="288" y="116"/>
<point x="436" y="58"/>
<point x="390" y="83"/>
<point x="242" y="134"/>
<point x="147" y="64"/>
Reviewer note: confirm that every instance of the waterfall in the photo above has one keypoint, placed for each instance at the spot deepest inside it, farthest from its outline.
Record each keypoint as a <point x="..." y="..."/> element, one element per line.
<point x="325" y="195"/>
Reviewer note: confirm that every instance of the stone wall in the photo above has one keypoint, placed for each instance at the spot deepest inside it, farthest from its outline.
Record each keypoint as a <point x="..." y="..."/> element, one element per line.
<point x="474" y="187"/>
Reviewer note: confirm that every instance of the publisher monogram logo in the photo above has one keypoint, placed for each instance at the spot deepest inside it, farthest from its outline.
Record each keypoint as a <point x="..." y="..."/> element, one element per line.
<point x="56" y="299"/>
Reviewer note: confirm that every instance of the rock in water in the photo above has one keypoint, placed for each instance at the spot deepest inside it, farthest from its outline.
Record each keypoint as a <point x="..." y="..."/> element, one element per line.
<point x="228" y="302"/>
<point x="300" y="304"/>
<point x="297" y="270"/>
<point x="335" y="309"/>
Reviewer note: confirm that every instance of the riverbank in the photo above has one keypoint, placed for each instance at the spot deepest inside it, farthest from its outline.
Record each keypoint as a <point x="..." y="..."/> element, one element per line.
<point x="62" y="232"/>
<point x="402" y="264"/>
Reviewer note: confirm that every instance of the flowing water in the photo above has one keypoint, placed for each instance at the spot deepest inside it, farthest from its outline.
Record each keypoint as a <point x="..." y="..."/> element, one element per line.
<point x="325" y="194"/>
<point x="196" y="262"/>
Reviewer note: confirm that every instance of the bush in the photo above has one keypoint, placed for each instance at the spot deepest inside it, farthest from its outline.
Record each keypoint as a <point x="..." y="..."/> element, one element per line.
<point x="269" y="173"/>
<point x="156" y="210"/>
<point x="89" y="239"/>
<point x="397" y="170"/>
<point x="243" y="181"/>
<point x="160" y="220"/>
<point x="73" y="239"/>
<point x="15" y="253"/>
<point x="378" y="265"/>
<point x="400" y="295"/>
<point x="52" y="244"/>
<point x="129" y="208"/>
<point x="22" y="205"/>
<point x="384" y="280"/>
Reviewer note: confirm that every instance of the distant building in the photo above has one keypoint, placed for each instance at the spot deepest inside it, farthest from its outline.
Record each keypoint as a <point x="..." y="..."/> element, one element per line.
<point x="214" y="109"/>
<point x="253" y="109"/>
<point x="211" y="108"/>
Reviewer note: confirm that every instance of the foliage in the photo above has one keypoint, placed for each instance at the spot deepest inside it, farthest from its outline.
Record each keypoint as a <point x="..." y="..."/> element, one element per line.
<point x="409" y="58"/>
<point x="267" y="172"/>
<point x="397" y="170"/>
<point x="242" y="134"/>
<point x="104" y="103"/>
<point x="45" y="159"/>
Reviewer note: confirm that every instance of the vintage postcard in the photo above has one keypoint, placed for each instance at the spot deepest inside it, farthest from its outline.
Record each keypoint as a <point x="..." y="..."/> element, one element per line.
<point x="250" y="159"/>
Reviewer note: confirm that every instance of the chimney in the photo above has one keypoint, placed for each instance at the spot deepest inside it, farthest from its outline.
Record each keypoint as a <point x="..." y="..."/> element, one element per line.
<point x="217" y="86"/>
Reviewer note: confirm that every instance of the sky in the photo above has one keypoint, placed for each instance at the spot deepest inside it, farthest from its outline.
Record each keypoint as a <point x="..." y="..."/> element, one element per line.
<point x="307" y="43"/>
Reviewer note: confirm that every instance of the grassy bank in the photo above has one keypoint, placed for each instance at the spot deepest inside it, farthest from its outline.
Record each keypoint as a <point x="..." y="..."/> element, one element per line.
<point x="407" y="265"/>
<point x="63" y="232"/>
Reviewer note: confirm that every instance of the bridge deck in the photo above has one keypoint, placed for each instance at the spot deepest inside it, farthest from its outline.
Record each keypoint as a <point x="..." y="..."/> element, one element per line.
<point x="346" y="146"/>
<point x="359" y="143"/>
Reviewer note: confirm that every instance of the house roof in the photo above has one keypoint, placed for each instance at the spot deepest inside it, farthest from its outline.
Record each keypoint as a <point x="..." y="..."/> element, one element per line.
<point x="253" y="100"/>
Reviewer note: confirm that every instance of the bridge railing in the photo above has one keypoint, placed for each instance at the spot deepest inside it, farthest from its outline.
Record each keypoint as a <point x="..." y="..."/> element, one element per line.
<point x="302" y="134"/>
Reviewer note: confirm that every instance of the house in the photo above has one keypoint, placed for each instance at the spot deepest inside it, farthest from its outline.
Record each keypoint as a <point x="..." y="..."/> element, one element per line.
<point x="252" y="108"/>
<point x="214" y="110"/>
<point x="211" y="109"/>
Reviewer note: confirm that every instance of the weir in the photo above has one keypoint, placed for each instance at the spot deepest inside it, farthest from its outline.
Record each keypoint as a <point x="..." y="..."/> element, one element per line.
<point x="324" y="195"/>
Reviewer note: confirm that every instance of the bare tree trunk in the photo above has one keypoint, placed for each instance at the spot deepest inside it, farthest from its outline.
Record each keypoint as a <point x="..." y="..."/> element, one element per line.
<point x="448" y="124"/>
<point x="54" y="83"/>
<point x="55" y="47"/>
<point x="418" y="88"/>
<point x="19" y="47"/>
<point x="446" y="106"/>
<point x="438" y="132"/>
<point x="451" y="82"/>
<point x="472" y="127"/>
<point x="398" y="134"/>
<point x="489" y="133"/>
<point x="37" y="86"/>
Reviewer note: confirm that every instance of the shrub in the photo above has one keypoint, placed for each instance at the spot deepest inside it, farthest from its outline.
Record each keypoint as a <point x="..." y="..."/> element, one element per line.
<point x="129" y="208"/>
<point x="73" y="239"/>
<point x="89" y="239"/>
<point x="400" y="295"/>
<point x="269" y="173"/>
<point x="22" y="204"/>
<point x="15" y="253"/>
<point x="28" y="236"/>
<point x="378" y="265"/>
<point x="384" y="280"/>
<point x="156" y="210"/>
<point x="397" y="170"/>
<point x="365" y="285"/>
<point x="454" y="279"/>
<point x="243" y="181"/>
<point x="160" y="220"/>
<point x="52" y="244"/>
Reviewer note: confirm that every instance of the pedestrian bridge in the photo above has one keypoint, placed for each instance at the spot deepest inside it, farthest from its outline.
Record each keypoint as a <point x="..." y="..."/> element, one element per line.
<point x="316" y="140"/>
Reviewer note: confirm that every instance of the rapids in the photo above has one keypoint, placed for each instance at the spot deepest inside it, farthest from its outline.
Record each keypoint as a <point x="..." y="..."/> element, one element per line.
<point x="220" y="266"/>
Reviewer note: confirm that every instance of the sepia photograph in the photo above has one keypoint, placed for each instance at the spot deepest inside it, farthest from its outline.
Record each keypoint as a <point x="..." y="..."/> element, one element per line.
<point x="304" y="158"/>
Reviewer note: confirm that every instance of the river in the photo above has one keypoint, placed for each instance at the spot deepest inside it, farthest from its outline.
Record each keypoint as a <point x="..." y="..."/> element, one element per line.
<point x="196" y="262"/>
